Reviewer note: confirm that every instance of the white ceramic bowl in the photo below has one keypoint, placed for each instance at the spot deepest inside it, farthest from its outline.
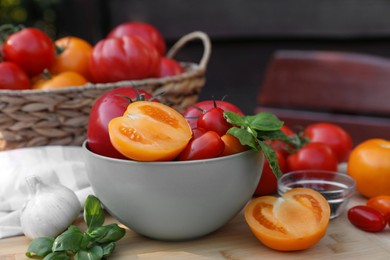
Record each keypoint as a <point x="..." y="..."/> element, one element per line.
<point x="177" y="200"/>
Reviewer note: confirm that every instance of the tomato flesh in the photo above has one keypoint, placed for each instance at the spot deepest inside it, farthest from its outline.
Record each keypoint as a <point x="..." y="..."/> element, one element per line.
<point x="149" y="131"/>
<point x="278" y="222"/>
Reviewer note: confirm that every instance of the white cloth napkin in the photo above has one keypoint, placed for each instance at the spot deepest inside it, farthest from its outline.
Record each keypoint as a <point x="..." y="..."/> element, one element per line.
<point x="53" y="164"/>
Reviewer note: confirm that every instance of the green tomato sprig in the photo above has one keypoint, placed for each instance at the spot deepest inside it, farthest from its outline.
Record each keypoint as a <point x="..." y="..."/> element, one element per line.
<point x="255" y="130"/>
<point x="96" y="243"/>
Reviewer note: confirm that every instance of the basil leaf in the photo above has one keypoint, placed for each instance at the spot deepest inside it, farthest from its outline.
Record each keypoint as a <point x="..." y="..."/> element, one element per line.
<point x="108" y="248"/>
<point x="233" y="118"/>
<point x="109" y="233"/>
<point x="264" y="122"/>
<point x="270" y="156"/>
<point x="57" y="256"/>
<point x="245" y="137"/>
<point x="40" y="246"/>
<point x="70" y="240"/>
<point x="94" y="253"/>
<point x="93" y="212"/>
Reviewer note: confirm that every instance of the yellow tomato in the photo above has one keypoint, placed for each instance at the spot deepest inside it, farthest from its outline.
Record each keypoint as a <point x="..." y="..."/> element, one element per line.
<point x="62" y="80"/>
<point x="149" y="131"/>
<point x="369" y="166"/>
<point x="75" y="56"/>
<point x="295" y="221"/>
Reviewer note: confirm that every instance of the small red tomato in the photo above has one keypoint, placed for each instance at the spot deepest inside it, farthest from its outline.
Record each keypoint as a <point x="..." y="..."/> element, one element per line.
<point x="268" y="183"/>
<point x="312" y="156"/>
<point x="194" y="112"/>
<point x="382" y="204"/>
<point x="333" y="135"/>
<point x="208" y="145"/>
<point x="31" y="49"/>
<point x="366" y="218"/>
<point x="213" y="120"/>
<point x="146" y="31"/>
<point x="169" y="67"/>
<point x="13" y="77"/>
<point x="196" y="132"/>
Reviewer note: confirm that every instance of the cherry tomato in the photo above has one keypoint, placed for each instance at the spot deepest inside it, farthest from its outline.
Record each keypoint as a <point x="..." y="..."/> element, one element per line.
<point x="369" y="166"/>
<point x="13" y="77"/>
<point x="268" y="183"/>
<point x="196" y="132"/>
<point x="169" y="67"/>
<point x="31" y="49"/>
<point x="312" y="156"/>
<point x="295" y="221"/>
<point x="208" y="145"/>
<point x="74" y="56"/>
<point x="108" y="106"/>
<point x="382" y="204"/>
<point x="149" y="131"/>
<point x="333" y="135"/>
<point x="213" y="120"/>
<point x="146" y="31"/>
<point x="194" y="112"/>
<point x="232" y="145"/>
<point x="62" y="80"/>
<point x="366" y="218"/>
<point x="126" y="58"/>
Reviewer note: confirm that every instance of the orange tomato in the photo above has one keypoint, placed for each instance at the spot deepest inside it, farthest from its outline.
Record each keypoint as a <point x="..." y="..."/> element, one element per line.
<point x="382" y="204"/>
<point x="62" y="80"/>
<point x="295" y="221"/>
<point x="369" y="166"/>
<point x="75" y="56"/>
<point x="149" y="131"/>
<point x="232" y="145"/>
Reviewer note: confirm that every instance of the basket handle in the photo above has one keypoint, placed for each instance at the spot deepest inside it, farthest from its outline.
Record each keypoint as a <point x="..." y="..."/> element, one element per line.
<point x="190" y="37"/>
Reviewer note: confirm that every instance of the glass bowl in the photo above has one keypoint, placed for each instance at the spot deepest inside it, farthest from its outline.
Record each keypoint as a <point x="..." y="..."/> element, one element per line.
<point x="336" y="187"/>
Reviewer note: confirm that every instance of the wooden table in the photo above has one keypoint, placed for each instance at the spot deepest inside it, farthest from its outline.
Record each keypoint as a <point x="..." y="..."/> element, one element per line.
<point x="235" y="241"/>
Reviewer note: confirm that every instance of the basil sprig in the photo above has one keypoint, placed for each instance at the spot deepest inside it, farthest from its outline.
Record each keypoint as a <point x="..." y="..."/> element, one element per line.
<point x="255" y="130"/>
<point x="96" y="243"/>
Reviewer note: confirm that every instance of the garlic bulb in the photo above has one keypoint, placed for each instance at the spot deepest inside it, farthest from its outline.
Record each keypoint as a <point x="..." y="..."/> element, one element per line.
<point x="50" y="210"/>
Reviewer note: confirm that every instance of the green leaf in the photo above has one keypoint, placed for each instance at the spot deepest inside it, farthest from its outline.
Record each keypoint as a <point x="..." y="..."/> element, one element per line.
<point x="108" y="249"/>
<point x="40" y="246"/>
<point x="233" y="118"/>
<point x="57" y="256"/>
<point x="108" y="233"/>
<point x="94" y="253"/>
<point x="93" y="212"/>
<point x="270" y="156"/>
<point x="70" y="240"/>
<point x="264" y="122"/>
<point x="245" y="137"/>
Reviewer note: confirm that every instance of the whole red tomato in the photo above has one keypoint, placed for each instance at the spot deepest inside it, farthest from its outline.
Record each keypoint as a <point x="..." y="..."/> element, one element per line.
<point x="194" y="112"/>
<point x="268" y="183"/>
<point x="108" y="106"/>
<point x="313" y="156"/>
<point x="13" y="77"/>
<point x="31" y="49"/>
<point x="208" y="145"/>
<point x="144" y="30"/>
<point x="333" y="135"/>
<point x="169" y="67"/>
<point x="126" y="58"/>
<point x="366" y="218"/>
<point x="213" y="120"/>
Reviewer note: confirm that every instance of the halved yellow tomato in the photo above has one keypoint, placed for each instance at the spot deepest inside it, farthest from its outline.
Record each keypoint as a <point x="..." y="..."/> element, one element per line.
<point x="149" y="131"/>
<point x="295" y="221"/>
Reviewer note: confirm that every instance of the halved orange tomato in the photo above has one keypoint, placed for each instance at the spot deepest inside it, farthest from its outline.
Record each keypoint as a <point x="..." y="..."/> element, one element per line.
<point x="149" y="131"/>
<point x="295" y="221"/>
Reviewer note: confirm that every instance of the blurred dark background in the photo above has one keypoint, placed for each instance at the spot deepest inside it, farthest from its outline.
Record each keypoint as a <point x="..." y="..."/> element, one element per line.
<point x="244" y="33"/>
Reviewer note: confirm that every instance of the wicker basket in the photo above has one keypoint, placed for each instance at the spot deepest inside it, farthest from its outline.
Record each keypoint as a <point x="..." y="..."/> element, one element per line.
<point x="59" y="117"/>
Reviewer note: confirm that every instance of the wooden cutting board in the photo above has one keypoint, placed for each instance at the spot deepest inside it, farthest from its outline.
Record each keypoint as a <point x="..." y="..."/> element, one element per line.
<point x="235" y="241"/>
